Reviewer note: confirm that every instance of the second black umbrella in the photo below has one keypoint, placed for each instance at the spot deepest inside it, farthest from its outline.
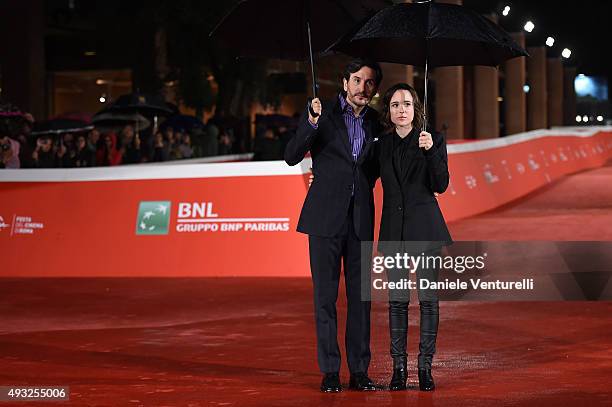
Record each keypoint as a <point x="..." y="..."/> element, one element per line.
<point x="431" y="34"/>
<point x="291" y="29"/>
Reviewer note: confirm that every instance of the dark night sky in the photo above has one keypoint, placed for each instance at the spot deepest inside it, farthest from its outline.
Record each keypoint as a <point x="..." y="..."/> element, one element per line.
<point x="582" y="26"/>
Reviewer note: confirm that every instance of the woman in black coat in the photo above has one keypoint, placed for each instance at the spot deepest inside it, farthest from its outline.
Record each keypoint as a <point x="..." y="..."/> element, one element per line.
<point x="412" y="165"/>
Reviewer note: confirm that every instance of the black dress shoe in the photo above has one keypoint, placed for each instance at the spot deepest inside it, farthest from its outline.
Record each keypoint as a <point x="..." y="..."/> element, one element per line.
<point x="361" y="382"/>
<point x="331" y="383"/>
<point x="426" y="381"/>
<point x="398" y="381"/>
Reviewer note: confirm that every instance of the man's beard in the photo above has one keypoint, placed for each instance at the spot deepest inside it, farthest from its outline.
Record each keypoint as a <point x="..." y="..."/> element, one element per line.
<point x="358" y="102"/>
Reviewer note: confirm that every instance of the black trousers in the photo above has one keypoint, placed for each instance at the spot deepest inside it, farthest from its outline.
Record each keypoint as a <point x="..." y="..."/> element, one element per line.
<point x="429" y="313"/>
<point x="326" y="255"/>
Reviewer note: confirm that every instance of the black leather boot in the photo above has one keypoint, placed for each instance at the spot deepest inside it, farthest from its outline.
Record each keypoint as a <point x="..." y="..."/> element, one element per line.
<point x="426" y="381"/>
<point x="400" y="375"/>
<point x="427" y="344"/>
<point x="398" y="331"/>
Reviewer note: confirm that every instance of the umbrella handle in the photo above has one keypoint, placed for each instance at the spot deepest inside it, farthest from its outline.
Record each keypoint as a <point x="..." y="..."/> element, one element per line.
<point x="426" y="77"/>
<point x="310" y="110"/>
<point x="312" y="67"/>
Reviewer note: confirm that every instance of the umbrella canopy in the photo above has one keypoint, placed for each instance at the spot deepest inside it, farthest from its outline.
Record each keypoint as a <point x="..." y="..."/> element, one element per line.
<point x="438" y="34"/>
<point x="431" y="34"/>
<point x="183" y="122"/>
<point x="151" y="105"/>
<point x="82" y="116"/>
<point x="60" y="126"/>
<point x="277" y="28"/>
<point x="112" y="119"/>
<point x="305" y="27"/>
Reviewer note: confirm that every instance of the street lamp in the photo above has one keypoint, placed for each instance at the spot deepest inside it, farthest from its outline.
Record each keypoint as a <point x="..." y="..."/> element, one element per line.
<point x="566" y="53"/>
<point x="506" y="11"/>
<point x="529" y="26"/>
<point x="550" y="41"/>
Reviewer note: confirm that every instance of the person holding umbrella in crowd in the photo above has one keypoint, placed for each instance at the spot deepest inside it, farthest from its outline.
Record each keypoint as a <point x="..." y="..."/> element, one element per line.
<point x="43" y="155"/>
<point x="338" y="215"/>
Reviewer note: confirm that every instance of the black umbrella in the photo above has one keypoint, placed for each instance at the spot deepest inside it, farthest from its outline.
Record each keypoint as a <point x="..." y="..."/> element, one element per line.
<point x="291" y="29"/>
<point x="60" y="126"/>
<point x="431" y="34"/>
<point x="185" y="122"/>
<point x="145" y="104"/>
<point x="148" y="105"/>
<point x="111" y="119"/>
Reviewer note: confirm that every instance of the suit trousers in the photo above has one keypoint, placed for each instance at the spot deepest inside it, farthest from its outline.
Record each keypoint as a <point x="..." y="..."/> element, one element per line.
<point x="326" y="255"/>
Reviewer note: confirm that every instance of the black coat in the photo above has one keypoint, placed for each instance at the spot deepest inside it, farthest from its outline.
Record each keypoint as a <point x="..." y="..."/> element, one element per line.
<point x="335" y="173"/>
<point x="410" y="209"/>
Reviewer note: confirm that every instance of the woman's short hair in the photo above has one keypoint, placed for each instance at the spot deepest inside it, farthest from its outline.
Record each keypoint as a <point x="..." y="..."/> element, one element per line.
<point x="417" y="122"/>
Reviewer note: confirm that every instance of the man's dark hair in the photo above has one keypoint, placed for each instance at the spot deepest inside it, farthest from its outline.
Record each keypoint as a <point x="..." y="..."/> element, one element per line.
<point x="357" y="64"/>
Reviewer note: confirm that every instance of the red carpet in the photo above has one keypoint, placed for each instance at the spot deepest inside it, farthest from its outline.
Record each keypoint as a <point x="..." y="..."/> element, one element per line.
<point x="577" y="207"/>
<point x="250" y="342"/>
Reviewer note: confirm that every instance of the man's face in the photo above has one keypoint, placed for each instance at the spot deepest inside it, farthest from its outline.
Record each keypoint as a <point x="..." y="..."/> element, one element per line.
<point x="361" y="86"/>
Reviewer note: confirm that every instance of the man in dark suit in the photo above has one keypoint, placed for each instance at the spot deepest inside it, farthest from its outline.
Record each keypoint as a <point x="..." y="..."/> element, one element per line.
<point x="338" y="214"/>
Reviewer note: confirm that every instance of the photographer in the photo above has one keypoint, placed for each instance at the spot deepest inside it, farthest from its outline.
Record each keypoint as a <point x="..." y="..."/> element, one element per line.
<point x="43" y="156"/>
<point x="9" y="152"/>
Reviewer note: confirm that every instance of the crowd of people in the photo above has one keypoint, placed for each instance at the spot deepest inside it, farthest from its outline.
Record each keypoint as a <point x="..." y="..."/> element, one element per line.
<point x="21" y="147"/>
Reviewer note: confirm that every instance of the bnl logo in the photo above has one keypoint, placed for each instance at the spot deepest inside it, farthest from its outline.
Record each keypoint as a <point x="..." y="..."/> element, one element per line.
<point x="153" y="218"/>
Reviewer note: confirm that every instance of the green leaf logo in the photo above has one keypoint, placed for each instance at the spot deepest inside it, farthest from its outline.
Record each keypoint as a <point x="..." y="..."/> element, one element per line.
<point x="153" y="218"/>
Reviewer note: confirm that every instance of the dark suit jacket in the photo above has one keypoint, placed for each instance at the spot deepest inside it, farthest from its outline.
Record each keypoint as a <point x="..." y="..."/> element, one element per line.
<point x="410" y="209"/>
<point x="335" y="173"/>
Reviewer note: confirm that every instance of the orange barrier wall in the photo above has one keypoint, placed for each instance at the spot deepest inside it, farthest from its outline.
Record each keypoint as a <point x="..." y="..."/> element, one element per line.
<point x="233" y="219"/>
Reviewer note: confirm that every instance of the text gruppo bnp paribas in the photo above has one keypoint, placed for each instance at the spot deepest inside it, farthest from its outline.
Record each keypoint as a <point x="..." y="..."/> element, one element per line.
<point x="203" y="217"/>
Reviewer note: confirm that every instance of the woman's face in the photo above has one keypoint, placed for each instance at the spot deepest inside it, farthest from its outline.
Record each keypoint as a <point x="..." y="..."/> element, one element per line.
<point x="401" y="108"/>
